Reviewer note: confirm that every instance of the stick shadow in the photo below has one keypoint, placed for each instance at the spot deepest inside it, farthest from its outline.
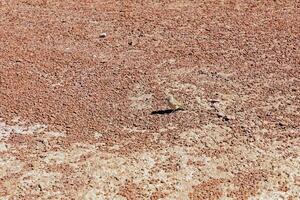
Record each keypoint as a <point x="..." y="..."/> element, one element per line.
<point x="162" y="112"/>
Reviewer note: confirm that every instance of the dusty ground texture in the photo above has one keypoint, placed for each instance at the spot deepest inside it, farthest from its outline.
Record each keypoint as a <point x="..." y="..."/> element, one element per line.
<point x="75" y="107"/>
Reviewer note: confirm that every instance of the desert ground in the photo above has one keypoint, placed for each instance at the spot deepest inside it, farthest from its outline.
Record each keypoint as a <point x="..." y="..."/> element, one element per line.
<point x="83" y="84"/>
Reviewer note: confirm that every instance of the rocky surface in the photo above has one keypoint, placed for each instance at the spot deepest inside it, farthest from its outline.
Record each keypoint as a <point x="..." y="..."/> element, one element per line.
<point x="75" y="106"/>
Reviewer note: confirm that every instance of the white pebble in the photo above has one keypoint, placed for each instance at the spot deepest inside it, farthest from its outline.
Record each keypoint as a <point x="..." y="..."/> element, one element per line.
<point x="102" y="35"/>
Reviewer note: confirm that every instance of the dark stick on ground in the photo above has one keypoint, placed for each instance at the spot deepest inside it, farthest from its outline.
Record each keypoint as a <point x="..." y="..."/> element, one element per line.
<point x="164" y="112"/>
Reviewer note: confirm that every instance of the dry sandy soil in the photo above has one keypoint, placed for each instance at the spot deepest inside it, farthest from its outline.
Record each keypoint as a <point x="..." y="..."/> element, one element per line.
<point x="75" y="107"/>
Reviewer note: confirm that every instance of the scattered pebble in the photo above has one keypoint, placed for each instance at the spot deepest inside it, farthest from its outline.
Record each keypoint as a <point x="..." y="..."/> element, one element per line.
<point x="282" y="124"/>
<point x="102" y="35"/>
<point x="40" y="187"/>
<point x="221" y="115"/>
<point x="225" y="117"/>
<point x="214" y="100"/>
<point x="3" y="147"/>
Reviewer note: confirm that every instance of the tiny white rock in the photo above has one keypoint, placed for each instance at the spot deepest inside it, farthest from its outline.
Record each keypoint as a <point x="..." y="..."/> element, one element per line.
<point x="102" y="35"/>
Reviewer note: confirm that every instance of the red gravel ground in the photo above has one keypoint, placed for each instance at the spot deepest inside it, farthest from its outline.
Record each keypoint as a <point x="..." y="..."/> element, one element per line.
<point x="75" y="107"/>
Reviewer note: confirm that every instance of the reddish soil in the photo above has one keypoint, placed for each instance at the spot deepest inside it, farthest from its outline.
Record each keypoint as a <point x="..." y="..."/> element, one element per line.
<point x="75" y="107"/>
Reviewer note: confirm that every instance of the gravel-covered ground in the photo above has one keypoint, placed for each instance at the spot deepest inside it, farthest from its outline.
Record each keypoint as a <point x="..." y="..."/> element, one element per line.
<point x="75" y="107"/>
